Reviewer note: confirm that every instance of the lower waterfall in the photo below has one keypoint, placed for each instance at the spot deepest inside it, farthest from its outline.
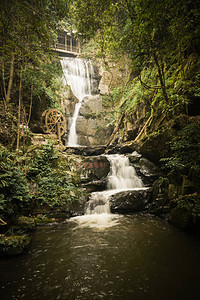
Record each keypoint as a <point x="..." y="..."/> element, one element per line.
<point x="122" y="177"/>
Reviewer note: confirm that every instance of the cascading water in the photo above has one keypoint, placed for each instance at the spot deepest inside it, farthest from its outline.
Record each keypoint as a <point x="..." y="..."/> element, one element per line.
<point x="122" y="177"/>
<point x="78" y="73"/>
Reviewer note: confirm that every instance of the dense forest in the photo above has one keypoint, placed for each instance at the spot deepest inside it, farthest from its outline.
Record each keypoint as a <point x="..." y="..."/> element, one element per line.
<point x="154" y="45"/>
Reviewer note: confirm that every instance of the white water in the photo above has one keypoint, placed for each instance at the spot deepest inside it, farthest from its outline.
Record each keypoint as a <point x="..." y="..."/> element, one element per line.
<point x="122" y="177"/>
<point x="78" y="73"/>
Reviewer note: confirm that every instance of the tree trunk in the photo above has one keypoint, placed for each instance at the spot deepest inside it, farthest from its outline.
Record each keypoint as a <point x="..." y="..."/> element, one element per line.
<point x="115" y="130"/>
<point x="31" y="104"/>
<point x="10" y="78"/>
<point x="4" y="84"/>
<point x="161" y="77"/>
<point x="19" y="109"/>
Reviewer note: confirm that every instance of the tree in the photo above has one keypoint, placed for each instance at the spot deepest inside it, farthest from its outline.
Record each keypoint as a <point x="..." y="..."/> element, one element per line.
<point x="28" y="30"/>
<point x="154" y="33"/>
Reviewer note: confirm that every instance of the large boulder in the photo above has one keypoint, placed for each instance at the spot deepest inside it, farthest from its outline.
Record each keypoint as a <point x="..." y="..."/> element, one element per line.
<point x="129" y="201"/>
<point x="92" y="124"/>
<point x="85" y="168"/>
<point x="147" y="170"/>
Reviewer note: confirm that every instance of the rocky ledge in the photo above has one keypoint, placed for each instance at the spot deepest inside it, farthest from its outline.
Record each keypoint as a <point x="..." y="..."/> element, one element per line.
<point x="130" y="201"/>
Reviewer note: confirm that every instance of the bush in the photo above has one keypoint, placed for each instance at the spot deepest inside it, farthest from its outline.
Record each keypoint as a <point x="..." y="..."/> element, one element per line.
<point x="14" y="190"/>
<point x="185" y="148"/>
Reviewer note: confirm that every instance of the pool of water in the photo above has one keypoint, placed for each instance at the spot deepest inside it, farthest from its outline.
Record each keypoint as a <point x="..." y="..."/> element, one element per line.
<point x="139" y="257"/>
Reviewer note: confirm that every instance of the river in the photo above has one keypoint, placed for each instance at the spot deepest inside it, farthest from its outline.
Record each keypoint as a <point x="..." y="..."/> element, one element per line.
<point x="140" y="257"/>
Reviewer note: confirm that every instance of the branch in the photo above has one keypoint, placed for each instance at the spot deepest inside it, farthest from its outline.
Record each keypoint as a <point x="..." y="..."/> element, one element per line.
<point x="2" y="222"/>
<point x="147" y="86"/>
<point x="143" y="128"/>
<point x="115" y="130"/>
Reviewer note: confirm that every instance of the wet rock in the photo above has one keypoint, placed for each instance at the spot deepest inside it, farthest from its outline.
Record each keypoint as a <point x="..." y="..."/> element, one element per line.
<point x="134" y="157"/>
<point x="160" y="197"/>
<point x="14" y="245"/>
<point x="95" y="185"/>
<point x="120" y="148"/>
<point x="156" y="146"/>
<point x="129" y="201"/>
<point x="185" y="212"/>
<point x="180" y="217"/>
<point x="93" y="168"/>
<point x="86" y="151"/>
<point x="25" y="224"/>
<point x="148" y="171"/>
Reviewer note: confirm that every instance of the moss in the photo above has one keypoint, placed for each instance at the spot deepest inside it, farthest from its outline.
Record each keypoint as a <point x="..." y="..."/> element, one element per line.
<point x="180" y="217"/>
<point x="185" y="212"/>
<point x="14" y="245"/>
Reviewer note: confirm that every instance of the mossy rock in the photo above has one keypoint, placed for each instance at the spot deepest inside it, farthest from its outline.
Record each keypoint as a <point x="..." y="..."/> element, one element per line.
<point x="25" y="224"/>
<point x="160" y="187"/>
<point x="180" y="217"/>
<point x="155" y="146"/>
<point x="14" y="245"/>
<point x="185" y="212"/>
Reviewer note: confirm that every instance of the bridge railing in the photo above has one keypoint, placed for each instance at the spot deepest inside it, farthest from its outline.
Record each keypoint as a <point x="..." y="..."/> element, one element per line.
<point x="68" y="48"/>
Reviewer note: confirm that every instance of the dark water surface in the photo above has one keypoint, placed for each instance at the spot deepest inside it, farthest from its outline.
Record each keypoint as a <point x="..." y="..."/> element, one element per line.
<point x="140" y="258"/>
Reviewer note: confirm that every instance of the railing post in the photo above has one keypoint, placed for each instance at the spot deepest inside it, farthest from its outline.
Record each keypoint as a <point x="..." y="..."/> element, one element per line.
<point x="65" y="42"/>
<point x="71" y="43"/>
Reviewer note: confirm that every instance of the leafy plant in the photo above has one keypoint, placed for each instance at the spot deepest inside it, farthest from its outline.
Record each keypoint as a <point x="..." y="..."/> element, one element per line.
<point x="185" y="148"/>
<point x="14" y="190"/>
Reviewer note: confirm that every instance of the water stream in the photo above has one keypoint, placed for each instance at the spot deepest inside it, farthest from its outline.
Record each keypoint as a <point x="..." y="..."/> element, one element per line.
<point x="140" y="258"/>
<point x="78" y="73"/>
<point x="105" y="256"/>
<point x="122" y="177"/>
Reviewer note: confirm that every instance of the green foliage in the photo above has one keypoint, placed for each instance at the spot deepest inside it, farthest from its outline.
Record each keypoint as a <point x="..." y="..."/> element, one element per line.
<point x="55" y="187"/>
<point x="43" y="161"/>
<point x="19" y="172"/>
<point x="28" y="65"/>
<point x="190" y="203"/>
<point x="185" y="148"/>
<point x="14" y="245"/>
<point x="14" y="190"/>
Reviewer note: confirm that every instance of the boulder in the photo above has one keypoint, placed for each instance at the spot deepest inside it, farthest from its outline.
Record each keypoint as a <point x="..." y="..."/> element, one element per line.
<point x="25" y="224"/>
<point x="85" y="168"/>
<point x="93" y="168"/>
<point x="95" y="185"/>
<point x="148" y="171"/>
<point x="160" y="198"/>
<point x="181" y="217"/>
<point x="105" y="82"/>
<point x="129" y="201"/>
<point x="86" y="151"/>
<point x="156" y="146"/>
<point x="92" y="125"/>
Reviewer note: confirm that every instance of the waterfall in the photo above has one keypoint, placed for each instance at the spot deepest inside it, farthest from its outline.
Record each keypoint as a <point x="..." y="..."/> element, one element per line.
<point x="78" y="73"/>
<point x="122" y="177"/>
<point x="122" y="174"/>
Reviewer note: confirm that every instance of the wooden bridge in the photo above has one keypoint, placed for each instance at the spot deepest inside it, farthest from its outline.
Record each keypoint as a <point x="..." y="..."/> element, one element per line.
<point x="67" y="44"/>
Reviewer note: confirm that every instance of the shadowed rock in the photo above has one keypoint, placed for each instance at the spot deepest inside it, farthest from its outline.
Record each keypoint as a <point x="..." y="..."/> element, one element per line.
<point x="129" y="201"/>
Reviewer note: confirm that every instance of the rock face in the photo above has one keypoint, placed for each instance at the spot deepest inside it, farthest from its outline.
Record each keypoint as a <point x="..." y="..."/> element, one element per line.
<point x="93" y="168"/>
<point x="92" y="124"/>
<point x="129" y="201"/>
<point x="86" y="168"/>
<point x="105" y="82"/>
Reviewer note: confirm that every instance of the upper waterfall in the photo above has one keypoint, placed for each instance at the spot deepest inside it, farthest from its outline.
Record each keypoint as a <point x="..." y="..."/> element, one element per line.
<point x="78" y="73"/>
